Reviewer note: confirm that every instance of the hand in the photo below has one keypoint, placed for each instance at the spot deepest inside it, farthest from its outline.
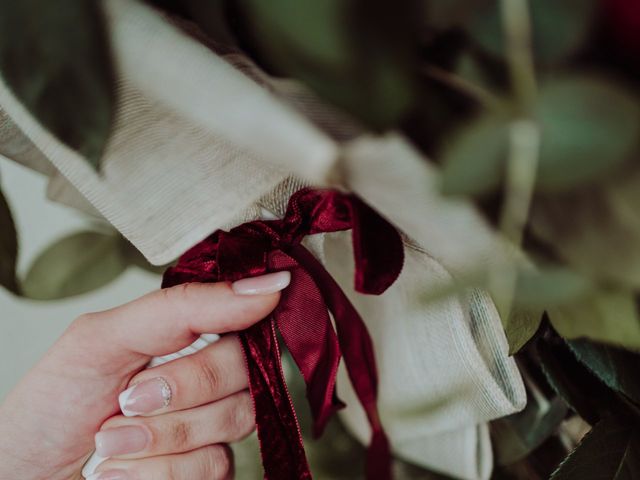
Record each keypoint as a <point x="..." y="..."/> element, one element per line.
<point x="187" y="409"/>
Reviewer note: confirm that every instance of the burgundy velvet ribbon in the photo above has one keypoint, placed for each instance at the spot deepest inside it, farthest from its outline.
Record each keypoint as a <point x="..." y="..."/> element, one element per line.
<point x="302" y="318"/>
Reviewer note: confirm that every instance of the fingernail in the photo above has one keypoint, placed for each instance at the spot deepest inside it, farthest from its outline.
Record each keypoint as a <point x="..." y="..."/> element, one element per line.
<point x="109" y="475"/>
<point x="92" y="464"/>
<point x="145" y="397"/>
<point x="263" y="285"/>
<point x="121" y="441"/>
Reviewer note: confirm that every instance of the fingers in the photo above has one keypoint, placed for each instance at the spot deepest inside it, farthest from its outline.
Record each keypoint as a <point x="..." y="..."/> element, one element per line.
<point x="167" y="320"/>
<point x="224" y="421"/>
<point x="213" y="373"/>
<point x="209" y="463"/>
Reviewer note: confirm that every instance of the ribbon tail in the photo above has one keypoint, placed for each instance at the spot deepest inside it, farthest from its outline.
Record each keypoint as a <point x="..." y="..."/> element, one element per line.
<point x="315" y="347"/>
<point x="378" y="466"/>
<point x="281" y="446"/>
<point x="357" y="348"/>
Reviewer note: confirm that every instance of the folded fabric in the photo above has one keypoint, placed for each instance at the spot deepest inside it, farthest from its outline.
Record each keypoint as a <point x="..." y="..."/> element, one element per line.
<point x="444" y="366"/>
<point x="203" y="142"/>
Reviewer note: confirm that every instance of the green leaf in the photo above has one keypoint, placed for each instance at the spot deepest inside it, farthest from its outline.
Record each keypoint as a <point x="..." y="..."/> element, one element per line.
<point x="55" y="58"/>
<point x="589" y="127"/>
<point x="610" y="451"/>
<point x="520" y="327"/>
<point x="605" y="316"/>
<point x="8" y="247"/>
<point x="595" y="231"/>
<point x="357" y="54"/>
<point x="549" y="286"/>
<point x="516" y="436"/>
<point x="576" y="384"/>
<point x="559" y="28"/>
<point x="617" y="368"/>
<point x="473" y="158"/>
<point x="76" y="264"/>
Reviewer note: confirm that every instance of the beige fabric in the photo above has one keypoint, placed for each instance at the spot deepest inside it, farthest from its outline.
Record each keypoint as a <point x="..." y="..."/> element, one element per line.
<point x="391" y="175"/>
<point x="14" y="144"/>
<point x="214" y="129"/>
<point x="198" y="145"/>
<point x="444" y="367"/>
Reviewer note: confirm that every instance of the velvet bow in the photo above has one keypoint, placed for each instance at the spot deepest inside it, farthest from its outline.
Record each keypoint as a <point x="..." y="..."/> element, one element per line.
<point x="302" y="318"/>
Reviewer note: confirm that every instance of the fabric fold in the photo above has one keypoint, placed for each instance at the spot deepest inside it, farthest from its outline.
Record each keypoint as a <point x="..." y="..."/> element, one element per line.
<point x="215" y="128"/>
<point x="444" y="365"/>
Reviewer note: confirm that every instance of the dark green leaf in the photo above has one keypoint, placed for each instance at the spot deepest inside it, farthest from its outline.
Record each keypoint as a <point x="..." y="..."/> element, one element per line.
<point x="76" y="264"/>
<point x="609" y="317"/>
<point x="473" y="158"/>
<point x="595" y="231"/>
<point x="610" y="451"/>
<point x="578" y="386"/>
<point x="558" y="27"/>
<point x="8" y="247"/>
<point x="357" y="54"/>
<point x="55" y="58"/>
<point x="618" y="369"/>
<point x="516" y="436"/>
<point x="589" y="127"/>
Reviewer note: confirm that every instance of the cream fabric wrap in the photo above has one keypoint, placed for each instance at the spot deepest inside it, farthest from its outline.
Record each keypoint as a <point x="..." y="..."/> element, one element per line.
<point x="204" y="141"/>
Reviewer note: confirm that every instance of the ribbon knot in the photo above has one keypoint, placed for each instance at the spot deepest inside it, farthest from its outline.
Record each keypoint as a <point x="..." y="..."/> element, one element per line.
<point x="302" y="318"/>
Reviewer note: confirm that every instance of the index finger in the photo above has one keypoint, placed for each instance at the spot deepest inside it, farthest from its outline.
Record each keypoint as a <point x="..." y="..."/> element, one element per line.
<point x="167" y="320"/>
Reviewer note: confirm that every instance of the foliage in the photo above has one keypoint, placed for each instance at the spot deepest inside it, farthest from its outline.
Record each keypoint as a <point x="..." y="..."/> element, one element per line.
<point x="612" y="449"/>
<point x="8" y="247"/>
<point x="531" y="108"/>
<point x="57" y="62"/>
<point x="600" y="383"/>
<point x="75" y="264"/>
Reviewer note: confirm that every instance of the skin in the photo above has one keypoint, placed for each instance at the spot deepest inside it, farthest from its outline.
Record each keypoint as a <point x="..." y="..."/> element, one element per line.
<point x="48" y="422"/>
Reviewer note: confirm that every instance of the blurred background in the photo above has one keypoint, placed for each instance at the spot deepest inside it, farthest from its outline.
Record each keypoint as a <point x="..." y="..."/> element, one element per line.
<point x="29" y="327"/>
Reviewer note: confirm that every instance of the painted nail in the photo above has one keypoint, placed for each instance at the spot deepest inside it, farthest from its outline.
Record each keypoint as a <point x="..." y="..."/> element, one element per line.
<point x="121" y="441"/>
<point x="262" y="285"/>
<point x="92" y="464"/>
<point x="110" y="475"/>
<point x="145" y="397"/>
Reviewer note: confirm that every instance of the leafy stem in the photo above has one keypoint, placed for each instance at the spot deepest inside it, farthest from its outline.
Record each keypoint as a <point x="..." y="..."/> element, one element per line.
<point x="516" y="23"/>
<point x="524" y="141"/>
<point x="483" y="96"/>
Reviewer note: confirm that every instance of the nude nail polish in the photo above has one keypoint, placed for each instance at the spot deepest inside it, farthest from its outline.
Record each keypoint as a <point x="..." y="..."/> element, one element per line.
<point x="121" y="441"/>
<point x="145" y="397"/>
<point x="262" y="285"/>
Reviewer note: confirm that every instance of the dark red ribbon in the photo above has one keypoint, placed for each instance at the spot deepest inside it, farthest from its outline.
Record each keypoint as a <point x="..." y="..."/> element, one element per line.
<point x="302" y="318"/>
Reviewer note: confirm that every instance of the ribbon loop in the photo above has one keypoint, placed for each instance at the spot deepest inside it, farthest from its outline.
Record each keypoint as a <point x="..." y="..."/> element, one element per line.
<point x="303" y="320"/>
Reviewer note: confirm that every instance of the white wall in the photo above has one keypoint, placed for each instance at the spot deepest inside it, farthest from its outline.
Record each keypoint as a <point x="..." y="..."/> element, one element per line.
<point x="28" y="328"/>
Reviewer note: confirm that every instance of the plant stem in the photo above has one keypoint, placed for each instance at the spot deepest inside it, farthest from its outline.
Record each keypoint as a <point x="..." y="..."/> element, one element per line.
<point x="524" y="145"/>
<point x="522" y="163"/>
<point x="455" y="82"/>
<point x="516" y="23"/>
